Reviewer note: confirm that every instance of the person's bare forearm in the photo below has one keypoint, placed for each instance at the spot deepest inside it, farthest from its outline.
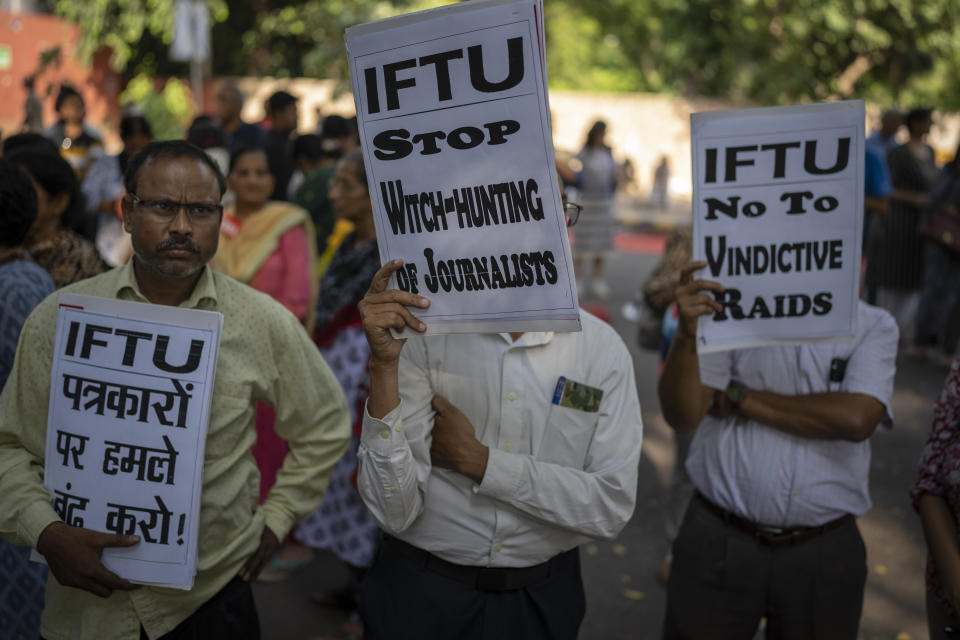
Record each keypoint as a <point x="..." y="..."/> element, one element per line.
<point x="940" y="529"/>
<point x="821" y="416"/>
<point x="384" y="389"/>
<point x="679" y="388"/>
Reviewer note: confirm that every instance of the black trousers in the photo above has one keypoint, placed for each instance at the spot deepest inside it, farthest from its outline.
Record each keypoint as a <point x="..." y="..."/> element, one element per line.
<point x="723" y="581"/>
<point x="232" y="613"/>
<point x="402" y="600"/>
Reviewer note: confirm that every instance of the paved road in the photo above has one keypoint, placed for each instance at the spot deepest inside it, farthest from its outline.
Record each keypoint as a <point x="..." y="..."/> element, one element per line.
<point x="624" y="600"/>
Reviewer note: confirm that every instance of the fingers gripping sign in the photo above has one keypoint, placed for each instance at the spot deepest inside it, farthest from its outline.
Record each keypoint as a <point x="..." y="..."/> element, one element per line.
<point x="384" y="309"/>
<point x="73" y="554"/>
<point x="693" y="298"/>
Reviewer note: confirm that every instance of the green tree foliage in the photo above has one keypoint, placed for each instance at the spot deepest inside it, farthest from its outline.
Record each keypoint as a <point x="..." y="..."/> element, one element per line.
<point x="306" y="38"/>
<point x="123" y="25"/>
<point x="778" y="51"/>
<point x="768" y="51"/>
<point x="169" y="111"/>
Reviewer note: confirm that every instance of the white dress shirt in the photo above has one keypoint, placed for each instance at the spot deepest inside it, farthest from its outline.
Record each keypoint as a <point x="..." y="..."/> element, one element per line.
<point x="555" y="476"/>
<point x="776" y="478"/>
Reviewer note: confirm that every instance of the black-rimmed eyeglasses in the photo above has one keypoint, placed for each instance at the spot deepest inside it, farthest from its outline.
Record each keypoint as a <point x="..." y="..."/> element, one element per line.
<point x="571" y="210"/>
<point x="167" y="210"/>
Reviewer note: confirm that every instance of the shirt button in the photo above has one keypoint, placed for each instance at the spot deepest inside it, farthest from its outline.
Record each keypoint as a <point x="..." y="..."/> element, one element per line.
<point x="385" y="434"/>
<point x="393" y="489"/>
<point x="397" y="428"/>
<point x="498" y="547"/>
<point x="508" y="447"/>
<point x="511" y="396"/>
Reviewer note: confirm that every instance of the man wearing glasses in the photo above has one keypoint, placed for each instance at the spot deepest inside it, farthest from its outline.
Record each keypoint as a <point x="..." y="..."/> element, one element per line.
<point x="173" y="215"/>
<point x="487" y="459"/>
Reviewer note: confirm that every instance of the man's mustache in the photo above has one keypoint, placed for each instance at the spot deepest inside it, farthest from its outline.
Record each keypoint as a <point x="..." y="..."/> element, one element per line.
<point x="178" y="243"/>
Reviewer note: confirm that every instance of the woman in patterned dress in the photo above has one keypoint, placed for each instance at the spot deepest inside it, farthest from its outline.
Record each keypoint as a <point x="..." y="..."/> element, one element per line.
<point x="53" y="241"/>
<point x="936" y="495"/>
<point x="341" y="523"/>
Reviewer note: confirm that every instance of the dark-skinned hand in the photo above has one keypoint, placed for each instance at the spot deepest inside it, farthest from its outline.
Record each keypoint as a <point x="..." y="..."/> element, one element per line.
<point x="382" y="309"/>
<point x="255" y="564"/>
<point x="692" y="299"/>
<point x="454" y="443"/>
<point x="73" y="555"/>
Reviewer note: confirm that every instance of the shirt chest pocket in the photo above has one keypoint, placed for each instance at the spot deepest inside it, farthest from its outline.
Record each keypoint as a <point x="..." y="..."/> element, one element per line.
<point x="231" y="413"/>
<point x="567" y="436"/>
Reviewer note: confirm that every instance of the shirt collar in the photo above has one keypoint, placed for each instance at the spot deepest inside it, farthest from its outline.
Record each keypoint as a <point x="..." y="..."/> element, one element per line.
<point x="205" y="288"/>
<point x="529" y="339"/>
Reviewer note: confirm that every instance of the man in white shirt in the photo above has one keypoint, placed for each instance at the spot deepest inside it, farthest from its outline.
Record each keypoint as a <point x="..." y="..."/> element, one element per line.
<point x="780" y="462"/>
<point x="487" y="459"/>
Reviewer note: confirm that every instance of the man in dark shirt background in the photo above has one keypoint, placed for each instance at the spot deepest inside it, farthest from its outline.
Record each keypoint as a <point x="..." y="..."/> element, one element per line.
<point x="238" y="134"/>
<point x="282" y="110"/>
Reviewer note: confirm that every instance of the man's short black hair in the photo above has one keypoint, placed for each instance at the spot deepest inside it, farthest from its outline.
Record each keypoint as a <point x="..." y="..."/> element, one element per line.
<point x="279" y="101"/>
<point x="309" y="145"/>
<point x="916" y="117"/>
<point x="27" y="139"/>
<point x="171" y="150"/>
<point x="206" y="133"/>
<point x="335" y="126"/>
<point x="132" y="125"/>
<point x="18" y="204"/>
<point x="66" y="91"/>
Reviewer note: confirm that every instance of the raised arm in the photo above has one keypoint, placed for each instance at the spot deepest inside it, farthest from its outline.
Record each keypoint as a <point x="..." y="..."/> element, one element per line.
<point x="684" y="400"/>
<point x="394" y="443"/>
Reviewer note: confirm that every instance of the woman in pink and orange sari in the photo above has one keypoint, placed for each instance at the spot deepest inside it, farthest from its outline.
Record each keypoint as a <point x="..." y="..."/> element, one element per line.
<point x="269" y="246"/>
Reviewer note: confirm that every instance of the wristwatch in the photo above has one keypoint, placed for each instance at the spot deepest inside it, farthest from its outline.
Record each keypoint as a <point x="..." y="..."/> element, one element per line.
<point x="735" y="393"/>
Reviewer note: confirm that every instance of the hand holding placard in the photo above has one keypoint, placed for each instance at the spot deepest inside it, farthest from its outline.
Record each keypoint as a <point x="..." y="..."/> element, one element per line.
<point x="382" y="310"/>
<point x="691" y="301"/>
<point x="73" y="554"/>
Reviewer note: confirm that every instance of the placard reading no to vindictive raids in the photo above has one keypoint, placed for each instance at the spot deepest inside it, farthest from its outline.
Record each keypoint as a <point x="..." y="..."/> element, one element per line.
<point x="454" y="124"/>
<point x="778" y="217"/>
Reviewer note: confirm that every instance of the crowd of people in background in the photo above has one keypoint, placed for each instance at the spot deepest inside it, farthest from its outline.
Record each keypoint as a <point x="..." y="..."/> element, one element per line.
<point x="297" y="225"/>
<point x="295" y="205"/>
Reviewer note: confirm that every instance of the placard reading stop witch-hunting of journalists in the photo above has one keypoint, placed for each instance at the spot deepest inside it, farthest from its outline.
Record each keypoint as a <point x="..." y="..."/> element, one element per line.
<point x="130" y="395"/>
<point x="455" y="129"/>
<point x="778" y="217"/>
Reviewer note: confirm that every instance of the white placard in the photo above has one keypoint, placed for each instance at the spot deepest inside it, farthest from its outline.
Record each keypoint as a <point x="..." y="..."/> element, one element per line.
<point x="455" y="128"/>
<point x="130" y="395"/>
<point x="778" y="215"/>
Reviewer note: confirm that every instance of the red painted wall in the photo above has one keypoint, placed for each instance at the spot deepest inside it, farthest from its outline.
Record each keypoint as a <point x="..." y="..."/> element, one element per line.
<point x="27" y="35"/>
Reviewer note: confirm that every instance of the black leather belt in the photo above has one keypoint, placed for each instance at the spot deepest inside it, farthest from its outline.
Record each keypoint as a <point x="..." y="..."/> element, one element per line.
<point x="771" y="536"/>
<point x="481" y="578"/>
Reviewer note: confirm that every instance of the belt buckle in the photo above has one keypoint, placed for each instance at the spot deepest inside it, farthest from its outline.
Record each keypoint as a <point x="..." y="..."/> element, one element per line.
<point x="492" y="579"/>
<point x="771" y="534"/>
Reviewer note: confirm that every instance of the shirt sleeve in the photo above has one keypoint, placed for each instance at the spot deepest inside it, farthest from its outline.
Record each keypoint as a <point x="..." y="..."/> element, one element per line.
<point x="394" y="454"/>
<point x="597" y="500"/>
<point x="25" y="508"/>
<point x="944" y="432"/>
<point x="871" y="367"/>
<point x="312" y="416"/>
<point x="716" y="369"/>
